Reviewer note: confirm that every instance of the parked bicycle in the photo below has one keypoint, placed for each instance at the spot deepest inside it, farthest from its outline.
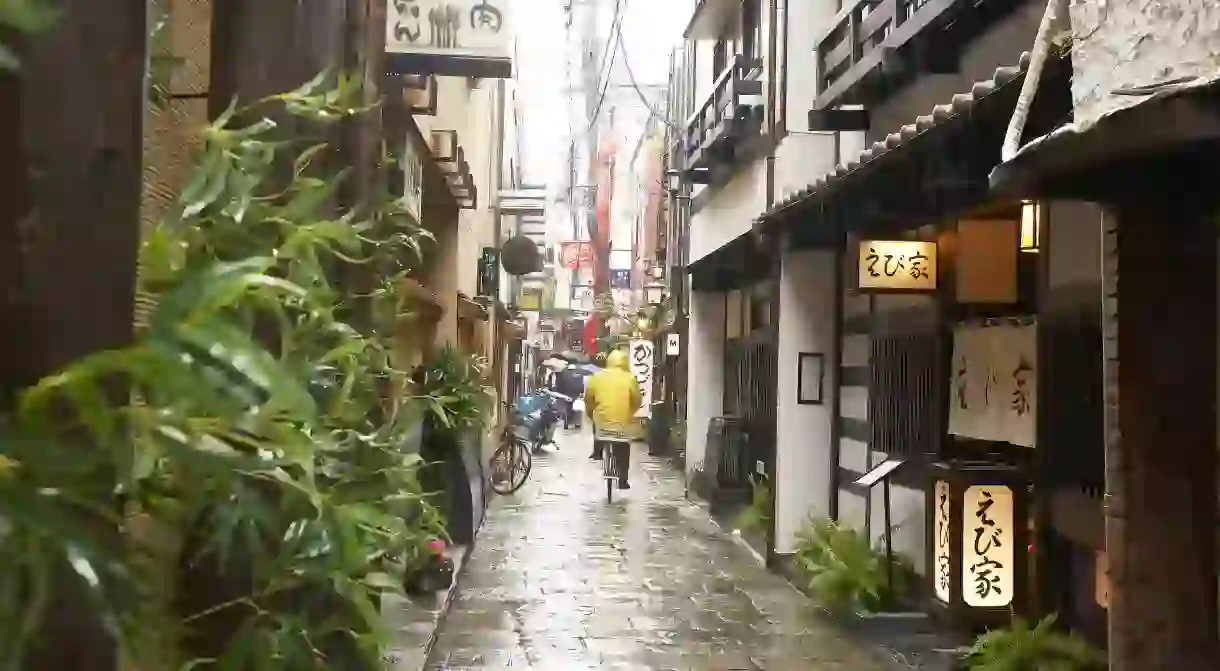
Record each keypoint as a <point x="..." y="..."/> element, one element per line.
<point x="511" y="463"/>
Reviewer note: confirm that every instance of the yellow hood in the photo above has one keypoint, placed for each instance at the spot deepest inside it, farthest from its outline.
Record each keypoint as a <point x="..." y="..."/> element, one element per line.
<point x="617" y="359"/>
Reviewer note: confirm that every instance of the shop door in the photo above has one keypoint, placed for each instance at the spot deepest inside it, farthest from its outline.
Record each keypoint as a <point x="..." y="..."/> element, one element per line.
<point x="750" y="392"/>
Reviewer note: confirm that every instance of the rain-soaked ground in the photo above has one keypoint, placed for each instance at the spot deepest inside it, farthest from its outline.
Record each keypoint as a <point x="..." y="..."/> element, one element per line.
<point x="559" y="580"/>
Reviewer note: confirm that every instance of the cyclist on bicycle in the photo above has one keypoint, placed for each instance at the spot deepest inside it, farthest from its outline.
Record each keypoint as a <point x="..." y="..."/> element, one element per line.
<point x="611" y="398"/>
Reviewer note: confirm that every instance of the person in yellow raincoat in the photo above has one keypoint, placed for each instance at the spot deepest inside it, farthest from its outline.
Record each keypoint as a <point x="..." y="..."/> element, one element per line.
<point x="612" y="396"/>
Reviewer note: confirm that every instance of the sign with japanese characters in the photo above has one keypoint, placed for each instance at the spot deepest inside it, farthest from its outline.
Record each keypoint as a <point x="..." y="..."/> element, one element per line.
<point x="994" y="384"/>
<point x="577" y="255"/>
<point x="942" y="543"/>
<point x="987" y="546"/>
<point x="639" y="359"/>
<point x="469" y="38"/>
<point x="897" y="265"/>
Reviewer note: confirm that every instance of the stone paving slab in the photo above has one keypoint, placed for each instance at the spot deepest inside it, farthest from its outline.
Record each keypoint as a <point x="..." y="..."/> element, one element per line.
<point x="559" y="580"/>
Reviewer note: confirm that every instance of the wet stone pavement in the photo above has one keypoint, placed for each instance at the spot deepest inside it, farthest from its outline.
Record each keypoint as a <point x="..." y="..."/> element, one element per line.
<point x="559" y="580"/>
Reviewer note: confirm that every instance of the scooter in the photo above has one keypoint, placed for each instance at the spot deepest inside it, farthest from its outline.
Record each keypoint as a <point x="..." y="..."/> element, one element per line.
<point x="538" y="413"/>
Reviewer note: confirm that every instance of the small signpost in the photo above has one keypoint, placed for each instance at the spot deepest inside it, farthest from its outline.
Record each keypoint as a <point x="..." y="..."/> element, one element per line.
<point x="881" y="474"/>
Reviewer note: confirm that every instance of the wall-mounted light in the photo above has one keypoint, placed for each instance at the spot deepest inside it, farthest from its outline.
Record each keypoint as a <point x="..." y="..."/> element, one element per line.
<point x="654" y="293"/>
<point x="673" y="181"/>
<point x="1031" y="215"/>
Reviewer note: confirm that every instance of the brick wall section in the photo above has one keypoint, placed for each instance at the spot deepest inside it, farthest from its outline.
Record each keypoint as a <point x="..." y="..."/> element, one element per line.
<point x="1161" y="435"/>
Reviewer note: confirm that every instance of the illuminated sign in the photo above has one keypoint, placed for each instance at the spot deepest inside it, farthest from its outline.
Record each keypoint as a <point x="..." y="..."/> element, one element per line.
<point x="897" y="265"/>
<point x="987" y="546"/>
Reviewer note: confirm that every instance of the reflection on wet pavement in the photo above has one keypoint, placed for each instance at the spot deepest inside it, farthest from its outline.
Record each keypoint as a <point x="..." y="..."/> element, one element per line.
<point x="560" y="580"/>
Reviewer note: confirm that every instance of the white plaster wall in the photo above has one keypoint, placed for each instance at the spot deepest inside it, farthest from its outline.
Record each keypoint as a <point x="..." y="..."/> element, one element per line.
<point x="800" y="159"/>
<point x="802" y="454"/>
<point x="1126" y="43"/>
<point x="806" y="21"/>
<point x="730" y="211"/>
<point x="705" y="372"/>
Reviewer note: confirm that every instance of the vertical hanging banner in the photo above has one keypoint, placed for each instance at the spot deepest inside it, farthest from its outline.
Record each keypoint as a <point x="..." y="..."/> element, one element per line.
<point x="987" y="546"/>
<point x="460" y="38"/>
<point x="994" y="382"/>
<point x="639" y="359"/>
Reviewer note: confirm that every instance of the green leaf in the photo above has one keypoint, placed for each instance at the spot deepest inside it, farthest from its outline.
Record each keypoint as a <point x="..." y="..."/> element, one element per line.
<point x="378" y="580"/>
<point x="8" y="60"/>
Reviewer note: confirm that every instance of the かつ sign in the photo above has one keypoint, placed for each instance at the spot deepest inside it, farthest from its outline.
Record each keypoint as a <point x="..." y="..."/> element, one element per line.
<point x="897" y="265"/>
<point x="639" y="362"/>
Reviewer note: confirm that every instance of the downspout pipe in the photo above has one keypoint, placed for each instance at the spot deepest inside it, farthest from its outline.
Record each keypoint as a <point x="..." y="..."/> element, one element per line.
<point x="1056" y="10"/>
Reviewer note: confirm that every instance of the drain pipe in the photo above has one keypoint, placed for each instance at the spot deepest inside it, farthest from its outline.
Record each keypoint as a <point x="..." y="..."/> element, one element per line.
<point x="1055" y="11"/>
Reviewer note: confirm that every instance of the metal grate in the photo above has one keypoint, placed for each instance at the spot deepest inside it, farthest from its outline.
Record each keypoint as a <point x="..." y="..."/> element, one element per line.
<point x="905" y="394"/>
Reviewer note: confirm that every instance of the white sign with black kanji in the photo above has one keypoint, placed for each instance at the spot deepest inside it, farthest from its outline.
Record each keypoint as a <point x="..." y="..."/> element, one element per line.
<point x="639" y="358"/>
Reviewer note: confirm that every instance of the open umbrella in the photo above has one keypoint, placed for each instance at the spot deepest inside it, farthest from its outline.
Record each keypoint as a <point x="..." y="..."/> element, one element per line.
<point x="573" y="357"/>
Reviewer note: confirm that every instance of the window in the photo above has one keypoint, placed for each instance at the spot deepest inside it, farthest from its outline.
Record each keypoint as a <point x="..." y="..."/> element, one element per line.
<point x="720" y="57"/>
<point x="751" y="29"/>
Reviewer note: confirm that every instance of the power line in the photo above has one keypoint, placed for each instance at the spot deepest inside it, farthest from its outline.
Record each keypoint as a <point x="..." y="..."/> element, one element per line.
<point x="631" y="78"/>
<point x="608" y="56"/>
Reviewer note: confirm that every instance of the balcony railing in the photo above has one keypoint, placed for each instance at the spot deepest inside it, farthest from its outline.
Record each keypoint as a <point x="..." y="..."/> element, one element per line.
<point x="733" y="108"/>
<point x="865" y="34"/>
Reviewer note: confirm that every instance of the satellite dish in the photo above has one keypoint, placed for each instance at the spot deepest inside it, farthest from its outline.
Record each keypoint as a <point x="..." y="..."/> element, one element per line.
<point x="520" y="256"/>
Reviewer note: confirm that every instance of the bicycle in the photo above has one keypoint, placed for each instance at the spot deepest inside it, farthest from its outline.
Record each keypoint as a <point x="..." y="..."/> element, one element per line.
<point x="613" y="447"/>
<point x="513" y="460"/>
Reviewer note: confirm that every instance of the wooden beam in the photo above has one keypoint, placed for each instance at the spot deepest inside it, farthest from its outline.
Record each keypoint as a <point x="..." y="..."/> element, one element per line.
<point x="838" y="120"/>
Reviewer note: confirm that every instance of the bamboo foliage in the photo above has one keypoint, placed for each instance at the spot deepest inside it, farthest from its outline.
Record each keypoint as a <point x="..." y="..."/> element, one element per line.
<point x="264" y="433"/>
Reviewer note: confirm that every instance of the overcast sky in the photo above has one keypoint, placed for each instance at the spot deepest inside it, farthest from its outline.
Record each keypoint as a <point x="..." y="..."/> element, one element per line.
<point x="651" y="29"/>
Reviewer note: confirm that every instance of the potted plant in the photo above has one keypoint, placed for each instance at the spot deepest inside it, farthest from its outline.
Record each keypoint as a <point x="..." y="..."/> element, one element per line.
<point x="845" y="574"/>
<point x="1041" y="647"/>
<point x="431" y="571"/>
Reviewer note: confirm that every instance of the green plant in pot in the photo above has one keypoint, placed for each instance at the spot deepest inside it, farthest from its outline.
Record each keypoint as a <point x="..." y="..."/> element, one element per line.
<point x="431" y="570"/>
<point x="453" y="387"/>
<point x="754" y="517"/>
<point x="1041" y="647"/>
<point x="845" y="574"/>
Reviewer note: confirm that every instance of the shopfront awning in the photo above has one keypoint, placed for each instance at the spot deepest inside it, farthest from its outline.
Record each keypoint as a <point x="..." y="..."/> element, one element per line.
<point x="928" y="168"/>
<point x="735" y="264"/>
<point x="1075" y="160"/>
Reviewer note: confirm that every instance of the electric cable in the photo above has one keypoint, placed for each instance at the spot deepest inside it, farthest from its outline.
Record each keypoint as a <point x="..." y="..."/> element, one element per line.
<point x="606" y="67"/>
<point x="638" y="91"/>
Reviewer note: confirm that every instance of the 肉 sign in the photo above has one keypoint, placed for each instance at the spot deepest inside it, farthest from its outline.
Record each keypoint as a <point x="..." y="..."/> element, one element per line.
<point x="461" y="38"/>
<point x="897" y="265"/>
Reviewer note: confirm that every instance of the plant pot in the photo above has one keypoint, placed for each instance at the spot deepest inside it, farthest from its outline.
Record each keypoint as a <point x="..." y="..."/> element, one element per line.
<point x="436" y="576"/>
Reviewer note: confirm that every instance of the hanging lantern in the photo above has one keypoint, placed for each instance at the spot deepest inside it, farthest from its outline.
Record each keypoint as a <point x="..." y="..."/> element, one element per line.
<point x="520" y="256"/>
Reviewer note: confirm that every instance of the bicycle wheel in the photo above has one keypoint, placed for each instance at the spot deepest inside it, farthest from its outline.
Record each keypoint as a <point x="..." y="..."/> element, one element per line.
<point x="510" y="467"/>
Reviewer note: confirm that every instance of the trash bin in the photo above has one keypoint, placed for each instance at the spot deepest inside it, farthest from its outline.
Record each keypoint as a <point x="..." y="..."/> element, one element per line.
<point x="658" y="429"/>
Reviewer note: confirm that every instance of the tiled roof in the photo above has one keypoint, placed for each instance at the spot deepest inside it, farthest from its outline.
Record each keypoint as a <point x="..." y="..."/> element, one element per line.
<point x="962" y="103"/>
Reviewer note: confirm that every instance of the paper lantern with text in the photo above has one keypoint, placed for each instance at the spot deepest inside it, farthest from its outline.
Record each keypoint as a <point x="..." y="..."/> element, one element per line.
<point x="520" y="256"/>
<point x="978" y="534"/>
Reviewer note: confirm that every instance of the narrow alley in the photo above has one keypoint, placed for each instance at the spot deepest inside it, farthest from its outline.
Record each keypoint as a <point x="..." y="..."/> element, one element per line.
<point x="561" y="580"/>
